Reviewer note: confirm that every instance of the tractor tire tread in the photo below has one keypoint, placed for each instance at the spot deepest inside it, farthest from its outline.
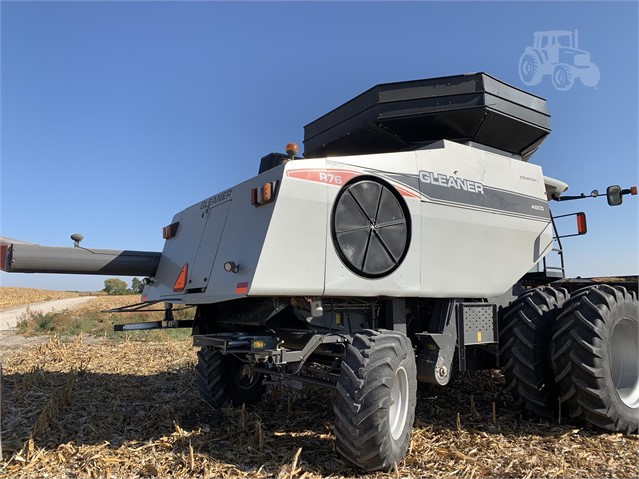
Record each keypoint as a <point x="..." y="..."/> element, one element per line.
<point x="580" y="361"/>
<point x="525" y="332"/>
<point x="362" y="399"/>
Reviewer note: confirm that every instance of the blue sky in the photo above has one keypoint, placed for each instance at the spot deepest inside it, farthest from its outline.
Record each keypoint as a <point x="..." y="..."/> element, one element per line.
<point x="116" y="115"/>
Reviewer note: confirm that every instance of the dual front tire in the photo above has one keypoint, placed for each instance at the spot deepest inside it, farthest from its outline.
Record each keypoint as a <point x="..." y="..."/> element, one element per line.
<point x="579" y="354"/>
<point x="595" y="353"/>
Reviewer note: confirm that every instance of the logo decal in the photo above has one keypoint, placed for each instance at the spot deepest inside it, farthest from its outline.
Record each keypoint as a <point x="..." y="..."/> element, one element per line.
<point x="557" y="54"/>
<point x="451" y="182"/>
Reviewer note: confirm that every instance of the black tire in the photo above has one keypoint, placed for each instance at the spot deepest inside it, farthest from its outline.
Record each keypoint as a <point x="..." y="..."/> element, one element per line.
<point x="530" y="69"/>
<point x="525" y="332"/>
<point x="372" y="430"/>
<point x="223" y="380"/>
<point x="596" y="357"/>
<point x="562" y="77"/>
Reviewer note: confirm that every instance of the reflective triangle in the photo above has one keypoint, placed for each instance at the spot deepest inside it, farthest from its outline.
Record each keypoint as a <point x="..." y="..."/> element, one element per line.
<point x="180" y="282"/>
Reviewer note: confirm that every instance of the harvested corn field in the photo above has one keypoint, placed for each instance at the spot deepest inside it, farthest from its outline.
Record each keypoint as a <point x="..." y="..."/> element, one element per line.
<point x="130" y="409"/>
<point x="10" y="297"/>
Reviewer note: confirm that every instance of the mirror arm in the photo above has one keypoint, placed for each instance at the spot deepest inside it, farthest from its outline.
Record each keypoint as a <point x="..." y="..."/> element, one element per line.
<point x="568" y="198"/>
<point x="594" y="194"/>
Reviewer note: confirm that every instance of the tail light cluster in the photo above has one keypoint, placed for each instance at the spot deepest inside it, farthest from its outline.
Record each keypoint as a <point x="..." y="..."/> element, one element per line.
<point x="170" y="231"/>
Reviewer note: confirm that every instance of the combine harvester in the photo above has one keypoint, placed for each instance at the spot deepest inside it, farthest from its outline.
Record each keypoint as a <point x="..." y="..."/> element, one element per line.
<point x="391" y="253"/>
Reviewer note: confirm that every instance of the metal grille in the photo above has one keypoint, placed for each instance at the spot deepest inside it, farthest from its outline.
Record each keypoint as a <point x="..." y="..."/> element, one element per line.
<point x="479" y="323"/>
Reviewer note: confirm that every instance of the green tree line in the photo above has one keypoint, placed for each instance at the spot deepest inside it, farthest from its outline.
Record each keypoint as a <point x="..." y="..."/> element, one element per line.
<point x="115" y="286"/>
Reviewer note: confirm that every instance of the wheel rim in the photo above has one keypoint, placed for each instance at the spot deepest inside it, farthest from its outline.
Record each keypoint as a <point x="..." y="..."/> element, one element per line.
<point x="371" y="228"/>
<point x="624" y="358"/>
<point x="398" y="410"/>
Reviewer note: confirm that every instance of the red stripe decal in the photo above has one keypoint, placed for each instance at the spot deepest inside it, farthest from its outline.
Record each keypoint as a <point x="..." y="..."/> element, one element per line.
<point x="329" y="176"/>
<point x="338" y="177"/>
<point x="405" y="192"/>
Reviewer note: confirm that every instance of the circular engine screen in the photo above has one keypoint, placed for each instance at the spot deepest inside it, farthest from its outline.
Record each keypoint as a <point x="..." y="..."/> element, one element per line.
<point x="371" y="228"/>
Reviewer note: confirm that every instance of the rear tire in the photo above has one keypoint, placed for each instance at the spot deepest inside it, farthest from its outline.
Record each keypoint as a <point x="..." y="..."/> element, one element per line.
<point x="525" y="331"/>
<point x="596" y="357"/>
<point x="530" y="69"/>
<point x="376" y="397"/>
<point x="223" y="379"/>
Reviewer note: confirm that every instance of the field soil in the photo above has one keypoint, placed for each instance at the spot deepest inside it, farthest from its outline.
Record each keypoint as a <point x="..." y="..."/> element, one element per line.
<point x="127" y="408"/>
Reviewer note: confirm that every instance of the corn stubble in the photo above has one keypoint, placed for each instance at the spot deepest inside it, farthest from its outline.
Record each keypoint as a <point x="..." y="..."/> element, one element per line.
<point x="129" y="409"/>
<point x="11" y="297"/>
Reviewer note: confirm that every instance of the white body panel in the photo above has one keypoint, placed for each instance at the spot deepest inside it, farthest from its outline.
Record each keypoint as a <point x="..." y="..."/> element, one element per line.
<point x="478" y="222"/>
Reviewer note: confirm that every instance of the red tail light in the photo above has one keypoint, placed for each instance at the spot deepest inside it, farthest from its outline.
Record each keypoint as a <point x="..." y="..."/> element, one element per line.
<point x="3" y="257"/>
<point x="170" y="231"/>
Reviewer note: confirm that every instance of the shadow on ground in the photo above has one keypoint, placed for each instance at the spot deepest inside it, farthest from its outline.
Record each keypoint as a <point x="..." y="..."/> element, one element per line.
<point x="156" y="425"/>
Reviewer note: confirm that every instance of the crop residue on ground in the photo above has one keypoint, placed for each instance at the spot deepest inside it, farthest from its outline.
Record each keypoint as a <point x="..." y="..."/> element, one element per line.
<point x="130" y="409"/>
<point x="10" y="297"/>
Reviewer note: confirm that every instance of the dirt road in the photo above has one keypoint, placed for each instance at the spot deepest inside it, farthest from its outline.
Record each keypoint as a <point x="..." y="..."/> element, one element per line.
<point x="9" y="317"/>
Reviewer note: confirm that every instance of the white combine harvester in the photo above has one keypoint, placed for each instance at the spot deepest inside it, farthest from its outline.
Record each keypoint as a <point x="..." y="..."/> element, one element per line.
<point x="390" y="254"/>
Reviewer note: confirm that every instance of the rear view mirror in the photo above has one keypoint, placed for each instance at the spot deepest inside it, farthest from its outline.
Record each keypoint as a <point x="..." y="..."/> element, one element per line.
<point x="613" y="193"/>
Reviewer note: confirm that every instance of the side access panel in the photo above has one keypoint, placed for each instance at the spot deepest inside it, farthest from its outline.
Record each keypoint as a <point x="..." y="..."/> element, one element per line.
<point x="207" y="250"/>
<point x="190" y="247"/>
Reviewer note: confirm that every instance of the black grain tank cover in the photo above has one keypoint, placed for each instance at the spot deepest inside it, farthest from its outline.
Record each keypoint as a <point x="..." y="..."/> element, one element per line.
<point x="271" y="161"/>
<point x="408" y="115"/>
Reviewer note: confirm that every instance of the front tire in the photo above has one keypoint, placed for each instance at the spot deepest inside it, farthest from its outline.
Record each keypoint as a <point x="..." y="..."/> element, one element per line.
<point x="376" y="397"/>
<point x="525" y="331"/>
<point x="596" y="357"/>
<point x="591" y="76"/>
<point x="563" y="77"/>
<point x="223" y="379"/>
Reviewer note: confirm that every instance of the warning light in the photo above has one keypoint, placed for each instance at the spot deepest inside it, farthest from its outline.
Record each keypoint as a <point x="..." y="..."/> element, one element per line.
<point x="180" y="282"/>
<point x="291" y="150"/>
<point x="264" y="194"/>
<point x="633" y="190"/>
<point x="582" y="229"/>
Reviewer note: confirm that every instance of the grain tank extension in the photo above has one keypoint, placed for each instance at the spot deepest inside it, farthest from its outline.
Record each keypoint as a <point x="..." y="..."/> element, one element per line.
<point x="413" y="241"/>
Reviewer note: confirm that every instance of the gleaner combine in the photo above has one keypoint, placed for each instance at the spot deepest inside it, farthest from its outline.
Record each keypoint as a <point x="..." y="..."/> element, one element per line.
<point x="391" y="253"/>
